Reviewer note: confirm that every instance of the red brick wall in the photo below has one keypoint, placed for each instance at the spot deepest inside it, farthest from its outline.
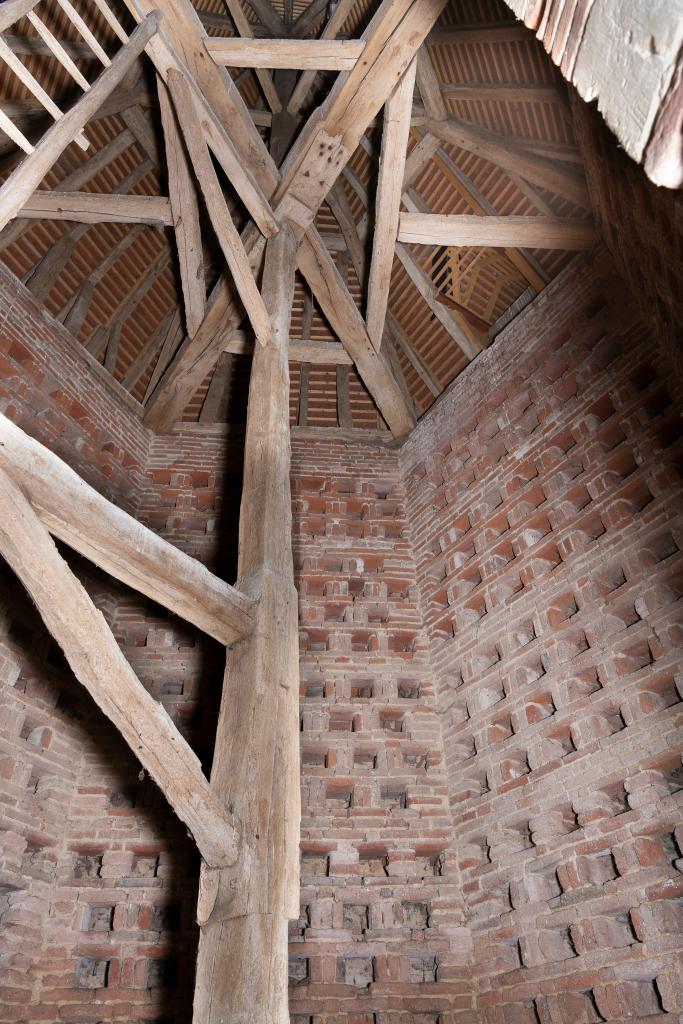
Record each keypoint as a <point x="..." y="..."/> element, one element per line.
<point x="381" y="935"/>
<point x="50" y="387"/>
<point x="544" y="497"/>
<point x="55" y="391"/>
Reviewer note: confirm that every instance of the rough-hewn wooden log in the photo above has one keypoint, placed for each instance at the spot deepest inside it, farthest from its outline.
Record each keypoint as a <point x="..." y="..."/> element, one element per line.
<point x="243" y="911"/>
<point x="98" y="663"/>
<point x="76" y="514"/>
<point x="561" y="180"/>
<point x="332" y="295"/>
<point x="226" y="232"/>
<point x="499" y="232"/>
<point x="332" y="28"/>
<point x="301" y="54"/>
<point x="185" y="208"/>
<point x="388" y="201"/>
<point x="93" y="208"/>
<point x="391" y="39"/>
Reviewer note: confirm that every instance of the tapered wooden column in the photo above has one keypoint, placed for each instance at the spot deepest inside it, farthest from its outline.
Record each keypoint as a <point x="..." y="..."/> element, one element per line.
<point x="243" y="911"/>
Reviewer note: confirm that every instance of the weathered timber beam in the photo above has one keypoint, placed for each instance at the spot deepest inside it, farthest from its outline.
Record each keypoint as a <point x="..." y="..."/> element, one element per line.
<point x="329" y="138"/>
<point x="185" y="210"/>
<point x="227" y="124"/>
<point x="500" y="151"/>
<point x="243" y="910"/>
<point x="76" y="514"/>
<point x="33" y="46"/>
<point x="309" y="17"/>
<point x="98" y="663"/>
<point x="93" y="208"/>
<point x="269" y="17"/>
<point x="499" y="232"/>
<point x="428" y="291"/>
<point x="332" y="28"/>
<point x="355" y="237"/>
<point x="322" y="353"/>
<point x="504" y="32"/>
<point x="333" y="297"/>
<point x="221" y="219"/>
<point x="315" y="161"/>
<point x="388" y="201"/>
<point x="503" y="92"/>
<point x="301" y="54"/>
<point x="27" y="176"/>
<point x="245" y="29"/>
<point x="524" y="262"/>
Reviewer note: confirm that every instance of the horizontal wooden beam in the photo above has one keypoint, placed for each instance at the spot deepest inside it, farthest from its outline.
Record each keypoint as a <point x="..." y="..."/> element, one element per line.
<point x="322" y="353"/>
<point x="503" y="92"/>
<point x="498" y="232"/>
<point x="76" y="514"/>
<point x="98" y="663"/>
<point x="91" y="208"/>
<point x="299" y="54"/>
<point x="455" y="35"/>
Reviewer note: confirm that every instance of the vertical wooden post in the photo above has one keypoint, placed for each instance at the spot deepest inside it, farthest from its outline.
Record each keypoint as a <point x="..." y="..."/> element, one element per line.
<point x="243" y="911"/>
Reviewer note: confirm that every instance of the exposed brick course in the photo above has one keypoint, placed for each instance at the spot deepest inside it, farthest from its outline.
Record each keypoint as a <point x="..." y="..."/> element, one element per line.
<point x="543" y="498"/>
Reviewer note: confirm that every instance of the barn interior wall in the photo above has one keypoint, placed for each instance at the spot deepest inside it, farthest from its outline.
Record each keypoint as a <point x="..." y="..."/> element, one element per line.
<point x="489" y="637"/>
<point x="543" y="498"/>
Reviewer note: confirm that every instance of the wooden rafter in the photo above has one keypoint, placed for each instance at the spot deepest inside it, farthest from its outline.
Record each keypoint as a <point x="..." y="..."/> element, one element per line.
<point x="244" y="28"/>
<point x="506" y="154"/>
<point x="228" y="236"/>
<point x="389" y="189"/>
<point x="324" y="146"/>
<point x="301" y="54"/>
<point x="331" y="29"/>
<point x="91" y="208"/>
<point x="185" y="210"/>
<point x="333" y="297"/>
<point x="98" y="663"/>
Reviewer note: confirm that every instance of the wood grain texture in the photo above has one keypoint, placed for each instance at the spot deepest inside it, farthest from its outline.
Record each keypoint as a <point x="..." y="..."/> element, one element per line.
<point x="243" y="911"/>
<point x="499" y="232"/>
<point x="91" y="208"/>
<point x="97" y="662"/>
<point x="30" y="172"/>
<point x="185" y="211"/>
<point x="76" y="514"/>
<point x="388" y="201"/>
<point x="221" y="219"/>
<point x="301" y="54"/>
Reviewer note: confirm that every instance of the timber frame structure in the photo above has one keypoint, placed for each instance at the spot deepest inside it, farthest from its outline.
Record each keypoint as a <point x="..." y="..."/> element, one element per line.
<point x="245" y="818"/>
